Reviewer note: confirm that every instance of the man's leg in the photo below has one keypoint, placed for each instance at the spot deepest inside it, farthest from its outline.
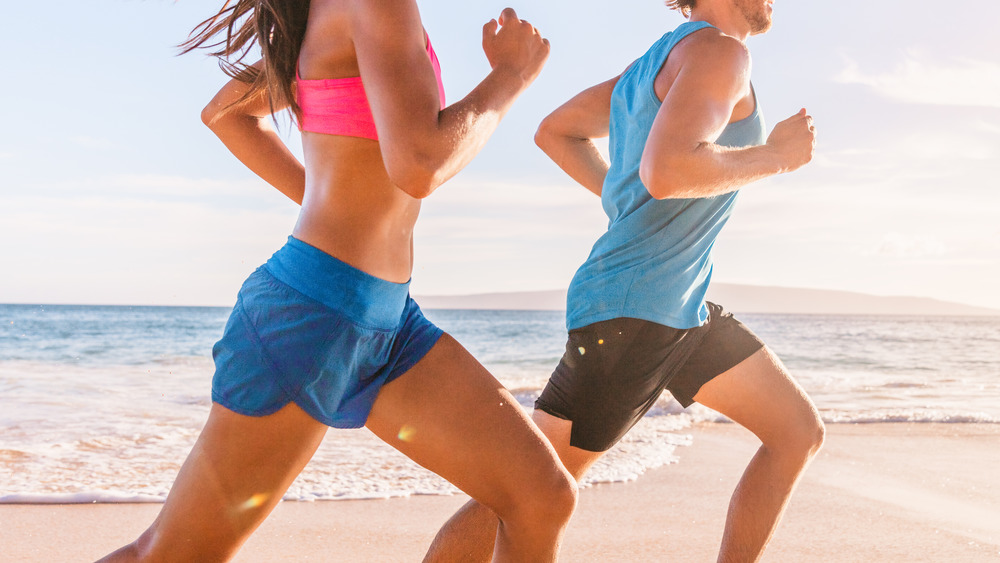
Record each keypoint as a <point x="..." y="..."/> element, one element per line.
<point x="611" y="372"/>
<point x="469" y="535"/>
<point x="760" y="395"/>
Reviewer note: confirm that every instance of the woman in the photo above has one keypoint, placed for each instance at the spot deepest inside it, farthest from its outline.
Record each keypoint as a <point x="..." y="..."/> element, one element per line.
<point x="325" y="334"/>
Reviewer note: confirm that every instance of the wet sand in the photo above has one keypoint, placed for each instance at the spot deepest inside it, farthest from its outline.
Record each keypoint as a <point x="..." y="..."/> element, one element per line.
<point x="877" y="492"/>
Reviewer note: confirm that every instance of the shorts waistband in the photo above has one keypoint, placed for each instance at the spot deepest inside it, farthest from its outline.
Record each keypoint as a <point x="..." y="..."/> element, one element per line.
<point x="360" y="296"/>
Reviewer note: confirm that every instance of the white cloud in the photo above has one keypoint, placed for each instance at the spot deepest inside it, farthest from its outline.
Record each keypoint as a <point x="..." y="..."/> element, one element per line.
<point x="146" y="184"/>
<point x="988" y="127"/>
<point x="900" y="245"/>
<point x="504" y="210"/>
<point x="113" y="223"/>
<point x="224" y="194"/>
<point x="483" y="235"/>
<point x="941" y="146"/>
<point x="963" y="82"/>
<point x="120" y="250"/>
<point x="486" y="193"/>
<point x="94" y="143"/>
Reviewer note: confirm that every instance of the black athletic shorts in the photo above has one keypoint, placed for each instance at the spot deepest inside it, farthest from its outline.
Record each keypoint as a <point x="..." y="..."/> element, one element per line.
<point x="613" y="371"/>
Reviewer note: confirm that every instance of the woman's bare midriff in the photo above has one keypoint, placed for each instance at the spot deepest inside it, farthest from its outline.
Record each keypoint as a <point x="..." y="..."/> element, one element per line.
<point x="352" y="211"/>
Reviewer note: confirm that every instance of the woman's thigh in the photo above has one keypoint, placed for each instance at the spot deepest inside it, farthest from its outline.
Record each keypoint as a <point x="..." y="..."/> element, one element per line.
<point x="236" y="473"/>
<point x="451" y="416"/>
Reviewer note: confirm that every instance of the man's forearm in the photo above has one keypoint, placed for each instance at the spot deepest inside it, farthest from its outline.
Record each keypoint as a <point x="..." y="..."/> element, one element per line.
<point x="708" y="170"/>
<point x="577" y="157"/>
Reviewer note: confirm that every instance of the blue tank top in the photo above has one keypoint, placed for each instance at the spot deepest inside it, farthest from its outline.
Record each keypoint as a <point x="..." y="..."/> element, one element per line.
<point x="655" y="260"/>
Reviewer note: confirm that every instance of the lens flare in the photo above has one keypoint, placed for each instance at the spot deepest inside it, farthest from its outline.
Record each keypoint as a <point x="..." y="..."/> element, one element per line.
<point x="582" y="350"/>
<point x="255" y="501"/>
<point x="406" y="433"/>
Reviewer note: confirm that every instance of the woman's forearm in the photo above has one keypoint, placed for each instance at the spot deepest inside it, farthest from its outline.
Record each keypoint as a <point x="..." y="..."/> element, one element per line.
<point x="258" y="146"/>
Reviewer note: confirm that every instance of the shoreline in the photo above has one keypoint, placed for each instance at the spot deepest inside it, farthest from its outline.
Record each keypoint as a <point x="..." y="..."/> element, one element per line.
<point x="876" y="492"/>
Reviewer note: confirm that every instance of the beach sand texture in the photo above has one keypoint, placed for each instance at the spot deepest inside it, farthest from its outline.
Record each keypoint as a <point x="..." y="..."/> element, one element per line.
<point x="888" y="492"/>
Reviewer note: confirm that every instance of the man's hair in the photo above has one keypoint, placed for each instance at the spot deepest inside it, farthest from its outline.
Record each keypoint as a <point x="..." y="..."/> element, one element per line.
<point x="683" y="6"/>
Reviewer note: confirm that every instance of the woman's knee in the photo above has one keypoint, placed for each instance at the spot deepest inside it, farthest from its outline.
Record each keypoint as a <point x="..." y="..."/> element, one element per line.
<point x="555" y="495"/>
<point x="563" y="491"/>
<point x="150" y="547"/>
<point x="142" y="549"/>
<point x="548" y="500"/>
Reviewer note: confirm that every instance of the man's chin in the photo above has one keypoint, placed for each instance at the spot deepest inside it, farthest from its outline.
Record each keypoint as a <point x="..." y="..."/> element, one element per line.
<point x="762" y="27"/>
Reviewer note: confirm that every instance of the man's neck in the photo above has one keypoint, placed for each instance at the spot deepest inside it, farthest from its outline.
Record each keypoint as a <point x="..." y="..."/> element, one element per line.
<point x="724" y="17"/>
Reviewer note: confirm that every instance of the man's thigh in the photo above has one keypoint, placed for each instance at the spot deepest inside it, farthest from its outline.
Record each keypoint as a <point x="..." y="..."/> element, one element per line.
<point x="760" y="394"/>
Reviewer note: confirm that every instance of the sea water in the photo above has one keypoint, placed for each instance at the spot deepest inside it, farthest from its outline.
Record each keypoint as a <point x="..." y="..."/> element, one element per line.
<point x="102" y="404"/>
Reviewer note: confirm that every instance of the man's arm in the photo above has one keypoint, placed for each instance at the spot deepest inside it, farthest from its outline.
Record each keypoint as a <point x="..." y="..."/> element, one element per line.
<point x="567" y="135"/>
<point x="681" y="159"/>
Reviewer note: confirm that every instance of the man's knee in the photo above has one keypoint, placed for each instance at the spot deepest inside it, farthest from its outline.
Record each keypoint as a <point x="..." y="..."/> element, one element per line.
<point x="803" y="439"/>
<point x="810" y="437"/>
<point x="818" y="435"/>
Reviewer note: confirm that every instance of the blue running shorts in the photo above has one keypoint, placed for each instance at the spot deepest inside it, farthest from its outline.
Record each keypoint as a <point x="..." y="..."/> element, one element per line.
<point x="311" y="329"/>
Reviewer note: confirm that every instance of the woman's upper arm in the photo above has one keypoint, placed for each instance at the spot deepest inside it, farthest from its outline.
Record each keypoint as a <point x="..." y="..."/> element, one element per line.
<point x="400" y="82"/>
<point x="231" y="93"/>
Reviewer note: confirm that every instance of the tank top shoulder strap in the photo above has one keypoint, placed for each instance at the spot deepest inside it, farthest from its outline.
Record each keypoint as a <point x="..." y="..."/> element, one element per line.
<point x="658" y="53"/>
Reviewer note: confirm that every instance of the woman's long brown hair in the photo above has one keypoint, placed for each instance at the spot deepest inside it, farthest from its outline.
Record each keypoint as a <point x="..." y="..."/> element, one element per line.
<point x="277" y="26"/>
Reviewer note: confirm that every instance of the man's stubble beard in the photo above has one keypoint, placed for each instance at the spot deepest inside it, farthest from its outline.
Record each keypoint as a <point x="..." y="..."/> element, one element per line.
<point x="755" y="12"/>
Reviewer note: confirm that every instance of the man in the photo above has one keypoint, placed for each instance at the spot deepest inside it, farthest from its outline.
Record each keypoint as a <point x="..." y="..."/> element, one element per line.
<point x="686" y="134"/>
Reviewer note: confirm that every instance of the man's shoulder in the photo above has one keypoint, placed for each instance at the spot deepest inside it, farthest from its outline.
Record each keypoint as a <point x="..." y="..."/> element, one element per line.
<point x="711" y="45"/>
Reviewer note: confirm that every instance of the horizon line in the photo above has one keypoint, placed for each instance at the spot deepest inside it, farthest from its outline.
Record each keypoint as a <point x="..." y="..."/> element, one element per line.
<point x="986" y="310"/>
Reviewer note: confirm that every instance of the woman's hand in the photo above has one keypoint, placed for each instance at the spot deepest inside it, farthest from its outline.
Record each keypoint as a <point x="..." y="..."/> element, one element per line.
<point x="514" y="44"/>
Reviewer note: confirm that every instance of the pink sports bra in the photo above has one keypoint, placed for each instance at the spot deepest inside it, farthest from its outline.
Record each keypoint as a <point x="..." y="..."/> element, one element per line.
<point x="339" y="106"/>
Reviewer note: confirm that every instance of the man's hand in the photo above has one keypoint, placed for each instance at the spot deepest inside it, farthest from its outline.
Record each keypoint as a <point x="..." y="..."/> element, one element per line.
<point x="794" y="141"/>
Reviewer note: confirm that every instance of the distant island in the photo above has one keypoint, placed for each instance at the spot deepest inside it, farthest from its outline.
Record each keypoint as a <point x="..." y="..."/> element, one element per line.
<point x="737" y="298"/>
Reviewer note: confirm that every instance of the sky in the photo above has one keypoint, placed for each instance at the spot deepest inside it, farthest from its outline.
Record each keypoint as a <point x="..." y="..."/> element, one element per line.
<point x="113" y="192"/>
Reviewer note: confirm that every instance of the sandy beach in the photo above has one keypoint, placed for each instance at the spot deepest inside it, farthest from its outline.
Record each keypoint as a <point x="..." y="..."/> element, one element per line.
<point x="877" y="492"/>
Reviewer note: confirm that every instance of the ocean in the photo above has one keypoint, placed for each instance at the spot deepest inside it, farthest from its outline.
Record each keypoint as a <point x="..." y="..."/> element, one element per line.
<point x="102" y="404"/>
